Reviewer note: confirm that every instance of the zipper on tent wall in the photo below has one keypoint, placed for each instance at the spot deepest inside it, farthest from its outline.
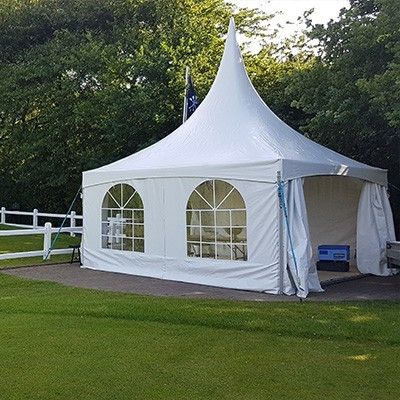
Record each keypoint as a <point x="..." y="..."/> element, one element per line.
<point x="280" y="228"/>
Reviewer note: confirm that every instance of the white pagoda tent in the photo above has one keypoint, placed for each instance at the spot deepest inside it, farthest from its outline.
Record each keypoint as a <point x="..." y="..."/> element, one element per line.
<point x="203" y="206"/>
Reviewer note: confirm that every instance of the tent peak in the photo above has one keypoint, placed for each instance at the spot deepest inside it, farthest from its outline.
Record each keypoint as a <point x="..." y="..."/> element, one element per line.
<point x="232" y="81"/>
<point x="232" y="26"/>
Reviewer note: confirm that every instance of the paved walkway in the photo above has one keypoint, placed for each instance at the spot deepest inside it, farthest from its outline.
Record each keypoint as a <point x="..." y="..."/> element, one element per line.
<point x="365" y="288"/>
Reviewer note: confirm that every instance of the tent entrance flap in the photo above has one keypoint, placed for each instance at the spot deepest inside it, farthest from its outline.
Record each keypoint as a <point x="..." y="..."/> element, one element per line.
<point x="374" y="229"/>
<point x="297" y="239"/>
<point x="282" y="205"/>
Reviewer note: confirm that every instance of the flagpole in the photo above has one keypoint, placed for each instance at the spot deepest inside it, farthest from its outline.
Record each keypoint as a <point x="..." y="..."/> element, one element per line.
<point x="185" y="102"/>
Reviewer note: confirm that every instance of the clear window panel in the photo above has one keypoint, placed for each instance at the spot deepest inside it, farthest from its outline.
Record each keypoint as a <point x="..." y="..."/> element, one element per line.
<point x="238" y="218"/>
<point x="109" y="202"/>
<point x="116" y="243"/>
<point x="139" y="231"/>
<point x="238" y="235"/>
<point x="192" y="217"/>
<point x="127" y="244"/>
<point x="139" y="216"/>
<point x="116" y="213"/>
<point x="127" y="216"/>
<point x="208" y="250"/>
<point x="208" y="234"/>
<point x="223" y="251"/>
<point x="127" y="193"/>
<point x="223" y="234"/>
<point x="139" y="245"/>
<point x="222" y="189"/>
<point x="207" y="218"/>
<point x="116" y="192"/>
<point x="222" y="218"/>
<point x="107" y="215"/>
<point x="206" y="190"/>
<point x="193" y="234"/>
<point x="115" y="228"/>
<point x="104" y="215"/>
<point x="233" y="201"/>
<point x="239" y="252"/>
<point x="193" y="249"/>
<point x="105" y="230"/>
<point x="127" y="230"/>
<point x="196" y="202"/>
<point x="134" y="202"/>
<point x="105" y="244"/>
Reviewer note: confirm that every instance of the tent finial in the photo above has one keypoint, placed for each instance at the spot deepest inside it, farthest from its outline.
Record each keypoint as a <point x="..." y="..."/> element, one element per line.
<point x="232" y="27"/>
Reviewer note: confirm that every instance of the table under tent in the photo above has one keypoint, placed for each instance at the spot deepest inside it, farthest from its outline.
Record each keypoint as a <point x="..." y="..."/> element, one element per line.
<point x="234" y="198"/>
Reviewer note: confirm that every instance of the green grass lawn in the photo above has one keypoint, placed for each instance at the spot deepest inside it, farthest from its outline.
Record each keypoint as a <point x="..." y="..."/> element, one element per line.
<point x="65" y="343"/>
<point x="14" y="244"/>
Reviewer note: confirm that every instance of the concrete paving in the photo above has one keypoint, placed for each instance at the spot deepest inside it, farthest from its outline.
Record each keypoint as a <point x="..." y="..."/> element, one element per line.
<point x="362" y="288"/>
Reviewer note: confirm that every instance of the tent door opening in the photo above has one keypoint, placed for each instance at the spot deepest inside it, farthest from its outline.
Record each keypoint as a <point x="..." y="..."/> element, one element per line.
<point x="332" y="204"/>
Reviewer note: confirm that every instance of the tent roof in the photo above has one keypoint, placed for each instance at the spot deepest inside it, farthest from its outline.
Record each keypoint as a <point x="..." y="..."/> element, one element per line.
<point x="234" y="134"/>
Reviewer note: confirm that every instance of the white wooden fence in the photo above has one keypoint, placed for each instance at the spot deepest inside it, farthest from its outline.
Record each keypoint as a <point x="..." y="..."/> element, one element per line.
<point x="36" y="229"/>
<point x="73" y="217"/>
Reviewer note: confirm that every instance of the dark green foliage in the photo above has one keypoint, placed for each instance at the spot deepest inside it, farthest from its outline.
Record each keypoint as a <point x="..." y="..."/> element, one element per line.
<point x="83" y="83"/>
<point x="352" y="93"/>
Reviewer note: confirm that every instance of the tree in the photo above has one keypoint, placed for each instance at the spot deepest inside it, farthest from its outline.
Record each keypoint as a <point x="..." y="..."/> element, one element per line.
<point x="85" y="82"/>
<point x="351" y="93"/>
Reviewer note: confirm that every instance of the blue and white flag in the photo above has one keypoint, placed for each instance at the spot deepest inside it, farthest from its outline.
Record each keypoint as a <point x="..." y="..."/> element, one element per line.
<point x="191" y="100"/>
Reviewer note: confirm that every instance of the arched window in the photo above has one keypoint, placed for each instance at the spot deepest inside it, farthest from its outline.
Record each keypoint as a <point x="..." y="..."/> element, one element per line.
<point x="216" y="222"/>
<point x="123" y="219"/>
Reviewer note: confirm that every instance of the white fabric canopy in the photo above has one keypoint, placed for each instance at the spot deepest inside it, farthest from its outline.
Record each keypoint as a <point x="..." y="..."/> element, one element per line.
<point x="233" y="136"/>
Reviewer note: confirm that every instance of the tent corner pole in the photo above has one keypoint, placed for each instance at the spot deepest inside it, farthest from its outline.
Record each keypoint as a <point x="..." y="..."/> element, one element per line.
<point x="280" y="228"/>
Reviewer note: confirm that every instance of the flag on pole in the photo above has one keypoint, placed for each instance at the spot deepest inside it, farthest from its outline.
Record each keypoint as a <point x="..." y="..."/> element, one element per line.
<point x="191" y="101"/>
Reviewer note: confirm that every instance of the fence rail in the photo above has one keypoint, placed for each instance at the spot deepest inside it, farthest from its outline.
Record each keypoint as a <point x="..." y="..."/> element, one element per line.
<point x="36" y="229"/>
<point x="73" y="217"/>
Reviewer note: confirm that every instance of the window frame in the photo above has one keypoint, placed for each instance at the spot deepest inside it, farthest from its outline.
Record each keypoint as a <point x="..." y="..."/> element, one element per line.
<point x="234" y="246"/>
<point x="116" y="242"/>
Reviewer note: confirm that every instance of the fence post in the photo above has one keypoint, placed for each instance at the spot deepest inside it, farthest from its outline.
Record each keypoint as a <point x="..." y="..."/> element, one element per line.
<point x="46" y="240"/>
<point x="35" y="219"/>
<point x="3" y="215"/>
<point x="73" y="222"/>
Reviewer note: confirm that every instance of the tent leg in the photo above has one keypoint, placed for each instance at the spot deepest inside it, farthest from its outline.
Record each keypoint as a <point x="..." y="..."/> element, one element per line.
<point x="281" y="254"/>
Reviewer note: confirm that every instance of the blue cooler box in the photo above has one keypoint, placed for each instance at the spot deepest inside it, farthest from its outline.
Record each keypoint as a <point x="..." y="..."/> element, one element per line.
<point x="334" y="253"/>
<point x="333" y="258"/>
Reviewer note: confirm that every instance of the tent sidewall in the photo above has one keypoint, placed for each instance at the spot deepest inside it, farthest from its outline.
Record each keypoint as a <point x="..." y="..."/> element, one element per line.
<point x="165" y="257"/>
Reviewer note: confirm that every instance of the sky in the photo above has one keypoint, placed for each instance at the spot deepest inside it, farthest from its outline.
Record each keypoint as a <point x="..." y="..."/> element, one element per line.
<point x="324" y="10"/>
